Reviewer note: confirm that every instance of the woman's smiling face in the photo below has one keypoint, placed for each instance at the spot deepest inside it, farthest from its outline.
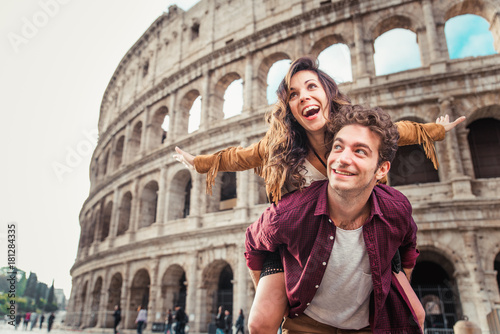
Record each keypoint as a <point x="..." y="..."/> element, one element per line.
<point x="308" y="101"/>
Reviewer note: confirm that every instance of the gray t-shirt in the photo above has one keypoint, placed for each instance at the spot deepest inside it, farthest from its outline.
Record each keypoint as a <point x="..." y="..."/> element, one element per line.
<point x="343" y="297"/>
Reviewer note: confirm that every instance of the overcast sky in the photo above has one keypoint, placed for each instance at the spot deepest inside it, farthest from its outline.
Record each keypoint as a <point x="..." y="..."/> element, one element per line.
<point x="57" y="58"/>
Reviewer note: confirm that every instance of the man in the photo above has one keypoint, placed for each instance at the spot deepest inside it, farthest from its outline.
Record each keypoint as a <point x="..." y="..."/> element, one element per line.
<point x="337" y="237"/>
<point x="228" y="322"/>
<point x="219" y="321"/>
<point x="181" y="320"/>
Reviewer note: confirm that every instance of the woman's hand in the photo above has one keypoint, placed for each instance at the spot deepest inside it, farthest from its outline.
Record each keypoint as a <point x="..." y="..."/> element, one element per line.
<point x="445" y="121"/>
<point x="185" y="158"/>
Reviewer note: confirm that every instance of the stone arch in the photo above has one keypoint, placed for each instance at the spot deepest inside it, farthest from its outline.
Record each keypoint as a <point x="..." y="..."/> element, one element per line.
<point x="228" y="191"/>
<point x="135" y="141"/>
<point x="326" y="42"/>
<point x="486" y="9"/>
<point x="95" y="302"/>
<point x="335" y="58"/>
<point x="84" y="235"/>
<point x="174" y="288"/>
<point x="96" y="221"/>
<point x="217" y="102"/>
<point x="118" y="152"/>
<point x="389" y="22"/>
<point x="106" y="221"/>
<point x="124" y="213"/>
<point x="484" y="143"/>
<point x="157" y="134"/>
<point x="411" y="165"/>
<point x="184" y="119"/>
<point x="217" y="282"/>
<point x="104" y="162"/>
<point x="179" y="194"/>
<point x="114" y="298"/>
<point x="261" y="82"/>
<point x="438" y="292"/>
<point x="397" y="23"/>
<point x="148" y="204"/>
<point x="139" y="294"/>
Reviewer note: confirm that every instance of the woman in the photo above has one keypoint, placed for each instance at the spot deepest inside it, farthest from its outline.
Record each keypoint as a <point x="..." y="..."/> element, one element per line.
<point x="292" y="156"/>
<point x="240" y="323"/>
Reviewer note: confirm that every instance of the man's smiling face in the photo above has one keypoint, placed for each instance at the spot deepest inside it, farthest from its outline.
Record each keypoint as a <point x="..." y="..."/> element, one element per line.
<point x="353" y="160"/>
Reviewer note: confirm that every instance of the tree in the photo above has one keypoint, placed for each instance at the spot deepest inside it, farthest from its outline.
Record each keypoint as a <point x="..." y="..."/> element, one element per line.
<point x="51" y="305"/>
<point x="31" y="286"/>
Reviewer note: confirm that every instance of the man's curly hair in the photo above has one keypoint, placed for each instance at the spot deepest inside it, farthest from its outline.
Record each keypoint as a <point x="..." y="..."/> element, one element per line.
<point x="376" y="119"/>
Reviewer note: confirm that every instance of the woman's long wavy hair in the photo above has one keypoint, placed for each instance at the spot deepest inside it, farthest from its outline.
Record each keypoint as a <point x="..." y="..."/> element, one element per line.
<point x="286" y="138"/>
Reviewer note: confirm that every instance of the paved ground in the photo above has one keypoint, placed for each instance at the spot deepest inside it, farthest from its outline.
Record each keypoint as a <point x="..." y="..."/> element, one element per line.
<point x="5" y="328"/>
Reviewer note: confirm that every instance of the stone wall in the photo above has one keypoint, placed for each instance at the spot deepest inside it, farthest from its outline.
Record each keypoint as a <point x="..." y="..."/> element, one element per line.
<point x="138" y="244"/>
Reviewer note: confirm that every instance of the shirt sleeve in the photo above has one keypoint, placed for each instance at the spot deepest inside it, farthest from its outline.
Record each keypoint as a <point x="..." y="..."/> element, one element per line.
<point x="261" y="239"/>
<point x="231" y="159"/>
<point x="411" y="133"/>
<point x="408" y="248"/>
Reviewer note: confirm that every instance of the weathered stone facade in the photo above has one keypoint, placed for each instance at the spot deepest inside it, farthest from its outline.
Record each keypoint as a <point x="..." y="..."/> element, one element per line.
<point x="149" y="233"/>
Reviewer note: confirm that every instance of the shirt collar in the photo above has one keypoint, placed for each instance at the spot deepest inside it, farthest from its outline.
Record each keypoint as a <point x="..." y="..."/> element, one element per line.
<point x="322" y="203"/>
<point x="375" y="207"/>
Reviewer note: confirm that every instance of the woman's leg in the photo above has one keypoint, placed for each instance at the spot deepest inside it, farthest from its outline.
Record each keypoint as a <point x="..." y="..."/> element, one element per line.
<point x="269" y="305"/>
<point x="412" y="298"/>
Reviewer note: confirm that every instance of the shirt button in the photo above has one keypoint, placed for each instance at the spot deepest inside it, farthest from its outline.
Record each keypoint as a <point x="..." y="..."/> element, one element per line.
<point x="317" y="286"/>
<point x="331" y="237"/>
<point x="324" y="263"/>
<point x="308" y="304"/>
<point x="330" y="220"/>
<point x="296" y="315"/>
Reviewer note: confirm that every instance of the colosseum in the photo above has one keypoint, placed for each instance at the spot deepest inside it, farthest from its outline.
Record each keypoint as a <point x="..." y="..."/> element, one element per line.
<point x="151" y="235"/>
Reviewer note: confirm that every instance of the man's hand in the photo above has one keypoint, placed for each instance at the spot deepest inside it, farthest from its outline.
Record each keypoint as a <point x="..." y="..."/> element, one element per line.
<point x="185" y="158"/>
<point x="408" y="272"/>
<point x="445" y="121"/>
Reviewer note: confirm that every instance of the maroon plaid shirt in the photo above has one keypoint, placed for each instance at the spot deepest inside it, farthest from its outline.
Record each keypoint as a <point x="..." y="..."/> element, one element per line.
<point x="300" y="227"/>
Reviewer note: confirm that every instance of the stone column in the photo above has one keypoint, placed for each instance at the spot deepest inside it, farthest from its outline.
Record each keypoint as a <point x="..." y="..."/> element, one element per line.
<point x="134" y="211"/>
<point x="195" y="200"/>
<point x="145" y="132"/>
<point x="362" y="75"/>
<point x="153" y="291"/>
<point x="103" y="302"/>
<point x="125" y="296"/>
<point x="241" y="284"/>
<point x="162" y="196"/>
<point x="113" y="228"/>
<point x="475" y="301"/>
<point x="87" y="308"/>
<point x="460" y="183"/>
<point x="192" y="288"/>
<point x="206" y="96"/>
<point x="126" y="144"/>
<point x="495" y="30"/>
<point x="299" y="46"/>
<point x="247" y="85"/>
<point x="430" y="27"/>
<point x="242" y="191"/>
<point x="172" y="133"/>
<point x="463" y="143"/>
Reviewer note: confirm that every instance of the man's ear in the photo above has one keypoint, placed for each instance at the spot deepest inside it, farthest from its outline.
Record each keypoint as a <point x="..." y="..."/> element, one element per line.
<point x="382" y="170"/>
